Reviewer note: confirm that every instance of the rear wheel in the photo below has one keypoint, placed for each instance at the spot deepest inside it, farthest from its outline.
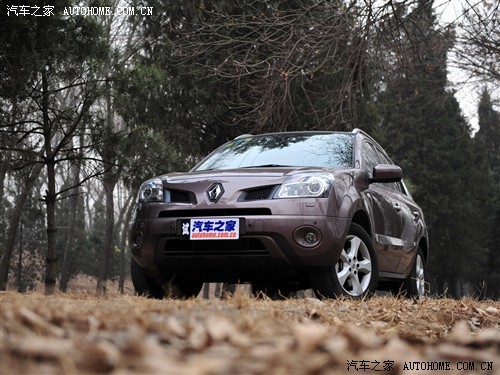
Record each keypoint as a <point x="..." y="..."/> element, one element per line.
<point x="415" y="283"/>
<point x="356" y="272"/>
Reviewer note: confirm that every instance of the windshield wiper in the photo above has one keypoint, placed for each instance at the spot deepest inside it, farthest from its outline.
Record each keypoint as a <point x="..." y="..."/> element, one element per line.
<point x="268" y="166"/>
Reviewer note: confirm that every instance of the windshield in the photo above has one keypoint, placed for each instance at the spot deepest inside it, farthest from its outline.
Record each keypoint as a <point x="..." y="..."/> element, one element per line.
<point x="331" y="150"/>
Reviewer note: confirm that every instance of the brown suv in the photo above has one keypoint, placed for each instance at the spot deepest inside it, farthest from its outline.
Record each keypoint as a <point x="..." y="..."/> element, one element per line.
<point x="285" y="212"/>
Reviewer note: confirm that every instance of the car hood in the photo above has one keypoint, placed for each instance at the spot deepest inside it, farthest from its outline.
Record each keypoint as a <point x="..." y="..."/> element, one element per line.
<point x="236" y="184"/>
<point x="252" y="173"/>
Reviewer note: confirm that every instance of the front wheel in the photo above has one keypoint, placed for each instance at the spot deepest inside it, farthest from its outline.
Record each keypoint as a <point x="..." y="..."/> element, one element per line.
<point x="147" y="286"/>
<point x="143" y="284"/>
<point x="181" y="288"/>
<point x="356" y="272"/>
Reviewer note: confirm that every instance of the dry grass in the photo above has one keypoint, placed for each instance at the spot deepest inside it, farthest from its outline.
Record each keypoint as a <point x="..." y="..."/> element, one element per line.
<point x="78" y="333"/>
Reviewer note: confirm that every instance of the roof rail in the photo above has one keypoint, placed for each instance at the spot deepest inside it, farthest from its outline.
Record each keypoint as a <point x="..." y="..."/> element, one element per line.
<point x="243" y="136"/>
<point x="358" y="130"/>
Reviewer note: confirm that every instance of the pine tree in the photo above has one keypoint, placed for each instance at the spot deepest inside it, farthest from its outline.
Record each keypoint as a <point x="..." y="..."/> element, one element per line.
<point x="227" y="68"/>
<point x="48" y="62"/>
<point x="428" y="136"/>
<point x="488" y="142"/>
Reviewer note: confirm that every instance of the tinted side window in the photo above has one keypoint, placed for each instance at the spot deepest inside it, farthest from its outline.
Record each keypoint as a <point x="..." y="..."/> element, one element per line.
<point x="370" y="158"/>
<point x="383" y="159"/>
<point x="391" y="185"/>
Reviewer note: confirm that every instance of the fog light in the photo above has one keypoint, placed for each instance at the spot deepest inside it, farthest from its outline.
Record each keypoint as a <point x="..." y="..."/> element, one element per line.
<point x="311" y="238"/>
<point x="307" y="236"/>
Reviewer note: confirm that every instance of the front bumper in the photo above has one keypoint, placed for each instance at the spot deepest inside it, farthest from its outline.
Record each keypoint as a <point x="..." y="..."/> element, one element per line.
<point x="269" y="247"/>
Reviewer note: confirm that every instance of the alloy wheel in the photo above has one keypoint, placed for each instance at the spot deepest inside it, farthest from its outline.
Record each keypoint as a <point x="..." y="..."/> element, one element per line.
<point x="420" y="275"/>
<point x="354" y="268"/>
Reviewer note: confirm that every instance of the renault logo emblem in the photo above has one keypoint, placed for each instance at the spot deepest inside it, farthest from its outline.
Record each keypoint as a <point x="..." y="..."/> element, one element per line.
<point x="214" y="192"/>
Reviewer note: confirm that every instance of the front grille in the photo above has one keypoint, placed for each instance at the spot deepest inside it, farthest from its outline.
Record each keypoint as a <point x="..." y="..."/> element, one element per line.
<point x="258" y="194"/>
<point x="179" y="196"/>
<point x="239" y="247"/>
<point x="216" y="212"/>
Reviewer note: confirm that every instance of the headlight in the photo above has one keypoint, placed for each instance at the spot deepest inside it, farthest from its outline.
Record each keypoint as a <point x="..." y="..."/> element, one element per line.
<point x="151" y="191"/>
<point x="305" y="185"/>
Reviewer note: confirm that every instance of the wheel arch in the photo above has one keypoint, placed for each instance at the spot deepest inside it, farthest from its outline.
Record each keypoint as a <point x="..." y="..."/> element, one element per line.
<point x="424" y="245"/>
<point x="360" y="217"/>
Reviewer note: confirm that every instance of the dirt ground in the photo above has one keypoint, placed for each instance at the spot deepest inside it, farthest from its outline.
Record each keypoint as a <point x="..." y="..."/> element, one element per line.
<point x="77" y="333"/>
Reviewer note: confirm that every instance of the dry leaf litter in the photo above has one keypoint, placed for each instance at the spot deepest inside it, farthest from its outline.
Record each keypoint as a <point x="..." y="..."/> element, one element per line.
<point x="82" y="334"/>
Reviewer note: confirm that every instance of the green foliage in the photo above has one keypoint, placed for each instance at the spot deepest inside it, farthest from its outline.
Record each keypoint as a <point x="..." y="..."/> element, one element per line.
<point x="29" y="44"/>
<point x="239" y="67"/>
<point x="89" y="251"/>
<point x="47" y="86"/>
<point x="488" y="145"/>
<point x="429" y="138"/>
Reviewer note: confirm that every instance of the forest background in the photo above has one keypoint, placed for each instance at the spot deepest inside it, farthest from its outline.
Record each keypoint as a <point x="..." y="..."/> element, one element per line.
<point x="90" y="106"/>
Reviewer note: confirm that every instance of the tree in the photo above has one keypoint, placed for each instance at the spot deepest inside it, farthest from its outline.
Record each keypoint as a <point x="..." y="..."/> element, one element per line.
<point x="118" y="143"/>
<point x="75" y="224"/>
<point x="488" y="142"/>
<point x="489" y="131"/>
<point x="232" y="67"/>
<point x="27" y="183"/>
<point x="431" y="140"/>
<point x="478" y="42"/>
<point x="54" y="90"/>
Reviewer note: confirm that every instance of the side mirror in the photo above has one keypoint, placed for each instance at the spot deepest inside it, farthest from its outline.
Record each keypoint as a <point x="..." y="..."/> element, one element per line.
<point x="386" y="173"/>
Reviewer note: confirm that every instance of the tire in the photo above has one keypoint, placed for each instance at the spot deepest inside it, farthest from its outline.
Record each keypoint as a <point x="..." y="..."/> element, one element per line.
<point x="148" y="287"/>
<point x="143" y="285"/>
<point x="182" y="289"/>
<point x="414" y="285"/>
<point x="356" y="272"/>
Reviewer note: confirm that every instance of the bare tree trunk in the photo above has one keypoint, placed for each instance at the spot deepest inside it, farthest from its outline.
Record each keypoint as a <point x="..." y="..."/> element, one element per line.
<point x="70" y="238"/>
<point x="11" y="238"/>
<point x="5" y="154"/>
<point x="123" y="242"/>
<point x="51" y="259"/>
<point x="20" y="288"/>
<point x="123" y="246"/>
<point x="123" y="216"/>
<point x="14" y="224"/>
<point x="111" y="176"/>
<point x="3" y="172"/>
<point x="109" y="185"/>
<point x="50" y="197"/>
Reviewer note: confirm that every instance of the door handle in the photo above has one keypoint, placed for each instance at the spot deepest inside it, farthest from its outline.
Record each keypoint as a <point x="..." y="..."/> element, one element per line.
<point x="396" y="206"/>
<point x="416" y="215"/>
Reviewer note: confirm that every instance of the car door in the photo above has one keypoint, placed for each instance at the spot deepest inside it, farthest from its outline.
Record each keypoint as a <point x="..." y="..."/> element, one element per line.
<point x="408" y="214"/>
<point x="412" y="227"/>
<point x="385" y="213"/>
